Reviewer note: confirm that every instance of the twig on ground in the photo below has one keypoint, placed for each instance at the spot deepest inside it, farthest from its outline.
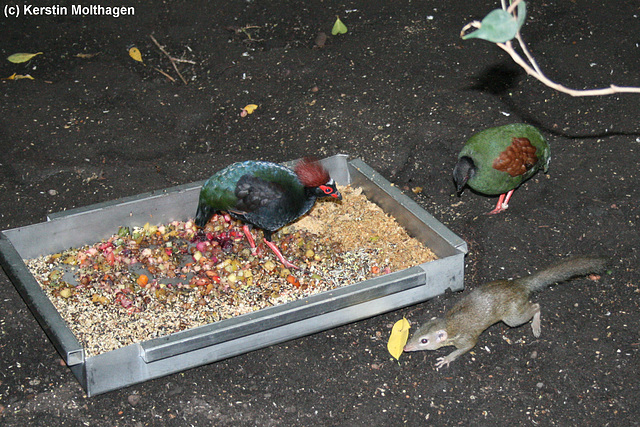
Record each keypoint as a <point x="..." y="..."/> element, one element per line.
<point x="172" y="59"/>
<point x="245" y="29"/>
<point x="165" y="74"/>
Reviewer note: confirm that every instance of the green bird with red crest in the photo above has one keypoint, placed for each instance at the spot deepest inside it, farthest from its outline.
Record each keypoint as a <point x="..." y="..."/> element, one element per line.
<point x="497" y="160"/>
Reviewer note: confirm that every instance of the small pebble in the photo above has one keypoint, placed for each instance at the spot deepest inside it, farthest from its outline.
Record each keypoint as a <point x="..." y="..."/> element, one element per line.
<point x="321" y="40"/>
<point x="134" y="399"/>
<point x="176" y="389"/>
<point x="52" y="192"/>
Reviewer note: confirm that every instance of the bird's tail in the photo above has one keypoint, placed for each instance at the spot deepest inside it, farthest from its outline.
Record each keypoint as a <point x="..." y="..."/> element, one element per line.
<point x="203" y="214"/>
<point x="564" y="270"/>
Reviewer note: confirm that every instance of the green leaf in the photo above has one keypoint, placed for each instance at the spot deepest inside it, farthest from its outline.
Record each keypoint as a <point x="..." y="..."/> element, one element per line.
<point x="17" y="58"/>
<point x="499" y="26"/>
<point x="338" y="27"/>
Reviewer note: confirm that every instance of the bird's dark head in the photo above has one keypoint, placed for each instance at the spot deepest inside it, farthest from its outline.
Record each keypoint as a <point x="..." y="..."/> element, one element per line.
<point x="328" y="189"/>
<point x="313" y="175"/>
<point x="465" y="170"/>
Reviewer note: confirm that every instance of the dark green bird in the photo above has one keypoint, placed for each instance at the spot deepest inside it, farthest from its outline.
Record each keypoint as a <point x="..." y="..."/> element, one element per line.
<point x="497" y="160"/>
<point x="266" y="195"/>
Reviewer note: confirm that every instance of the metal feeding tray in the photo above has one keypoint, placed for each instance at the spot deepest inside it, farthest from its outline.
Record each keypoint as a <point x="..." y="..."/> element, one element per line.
<point x="193" y="347"/>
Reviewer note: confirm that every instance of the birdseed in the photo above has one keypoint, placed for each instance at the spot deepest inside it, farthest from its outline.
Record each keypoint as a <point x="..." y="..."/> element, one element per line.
<point x="150" y="281"/>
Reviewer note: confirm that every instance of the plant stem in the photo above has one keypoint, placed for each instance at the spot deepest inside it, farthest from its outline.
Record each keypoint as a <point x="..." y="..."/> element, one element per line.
<point x="507" y="47"/>
<point x="534" y="70"/>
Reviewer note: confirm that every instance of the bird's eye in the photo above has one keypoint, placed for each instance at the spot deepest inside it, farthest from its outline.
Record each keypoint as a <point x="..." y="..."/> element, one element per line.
<point x="424" y="340"/>
<point x="327" y="190"/>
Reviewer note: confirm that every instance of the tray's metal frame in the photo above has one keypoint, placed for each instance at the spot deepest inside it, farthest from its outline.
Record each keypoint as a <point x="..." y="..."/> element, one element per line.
<point x="198" y="346"/>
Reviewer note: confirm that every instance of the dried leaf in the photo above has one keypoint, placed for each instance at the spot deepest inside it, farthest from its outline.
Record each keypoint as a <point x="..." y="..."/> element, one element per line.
<point x="15" y="76"/>
<point x="134" y="52"/>
<point x="90" y="55"/>
<point x="18" y="58"/>
<point x="248" y="109"/>
<point x="338" y="27"/>
<point x="398" y="338"/>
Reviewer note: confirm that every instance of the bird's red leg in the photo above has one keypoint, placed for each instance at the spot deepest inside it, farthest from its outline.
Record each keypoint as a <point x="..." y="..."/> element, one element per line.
<point x="247" y="233"/>
<point x="503" y="203"/>
<point x="276" y="251"/>
<point x="498" y="207"/>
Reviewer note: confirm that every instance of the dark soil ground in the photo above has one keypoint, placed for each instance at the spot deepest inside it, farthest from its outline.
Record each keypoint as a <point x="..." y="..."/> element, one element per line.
<point x="403" y="92"/>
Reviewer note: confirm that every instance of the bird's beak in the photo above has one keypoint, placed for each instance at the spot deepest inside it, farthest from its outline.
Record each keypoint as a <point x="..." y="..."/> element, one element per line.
<point x="460" y="186"/>
<point x="463" y="170"/>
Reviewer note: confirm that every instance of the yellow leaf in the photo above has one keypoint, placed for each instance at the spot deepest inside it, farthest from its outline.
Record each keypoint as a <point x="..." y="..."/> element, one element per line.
<point x="134" y="52"/>
<point x="250" y="108"/>
<point x="398" y="338"/>
<point x="15" y="76"/>
<point x="17" y="58"/>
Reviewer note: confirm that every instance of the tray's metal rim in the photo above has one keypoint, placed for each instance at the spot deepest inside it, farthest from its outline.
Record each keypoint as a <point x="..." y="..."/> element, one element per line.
<point x="276" y="316"/>
<point x="193" y="339"/>
<point x="40" y="305"/>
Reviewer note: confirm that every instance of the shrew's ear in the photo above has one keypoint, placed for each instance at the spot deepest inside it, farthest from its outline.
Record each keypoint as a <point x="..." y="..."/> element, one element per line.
<point x="441" y="335"/>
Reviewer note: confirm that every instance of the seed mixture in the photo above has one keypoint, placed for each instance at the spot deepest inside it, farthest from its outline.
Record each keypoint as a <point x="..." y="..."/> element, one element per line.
<point x="150" y="281"/>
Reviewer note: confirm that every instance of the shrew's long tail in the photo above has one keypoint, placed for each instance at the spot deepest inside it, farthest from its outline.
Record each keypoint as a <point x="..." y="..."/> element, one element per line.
<point x="564" y="270"/>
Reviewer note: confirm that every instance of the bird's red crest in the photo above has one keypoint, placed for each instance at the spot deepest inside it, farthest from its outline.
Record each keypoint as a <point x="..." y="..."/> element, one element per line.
<point x="311" y="173"/>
